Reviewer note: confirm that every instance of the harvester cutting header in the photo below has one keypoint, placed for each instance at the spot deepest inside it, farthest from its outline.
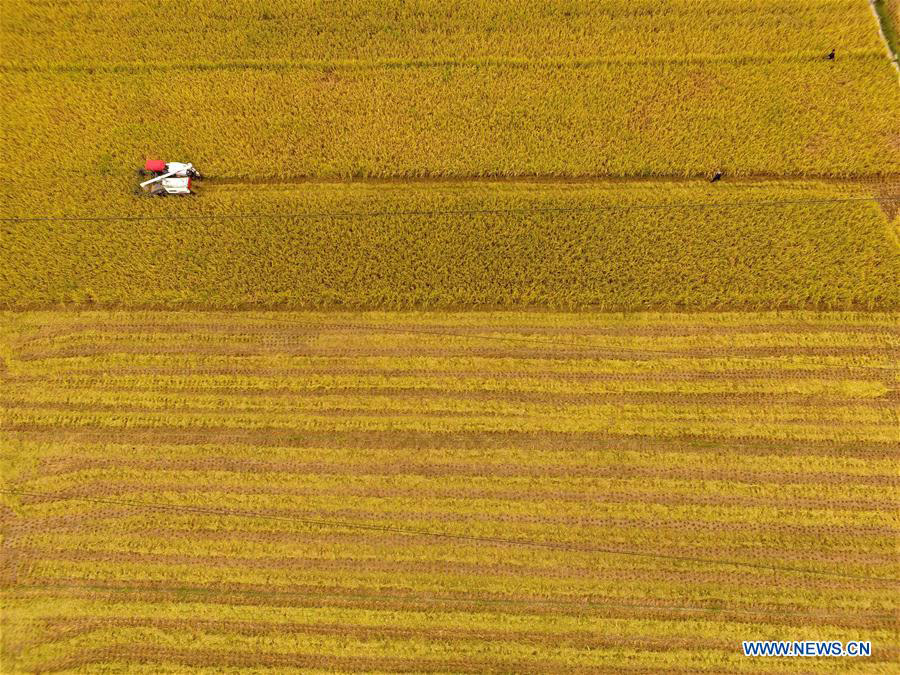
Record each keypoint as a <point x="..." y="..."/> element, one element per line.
<point x="168" y="178"/>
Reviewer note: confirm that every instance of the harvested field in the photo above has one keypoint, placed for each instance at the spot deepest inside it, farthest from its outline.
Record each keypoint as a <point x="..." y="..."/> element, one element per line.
<point x="526" y="492"/>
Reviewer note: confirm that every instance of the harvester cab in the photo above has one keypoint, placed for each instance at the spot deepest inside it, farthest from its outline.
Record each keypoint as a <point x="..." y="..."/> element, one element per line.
<point x="168" y="178"/>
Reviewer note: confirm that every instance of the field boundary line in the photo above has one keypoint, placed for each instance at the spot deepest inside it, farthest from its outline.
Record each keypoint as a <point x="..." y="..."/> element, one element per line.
<point x="566" y="546"/>
<point x="450" y="212"/>
<point x="736" y="58"/>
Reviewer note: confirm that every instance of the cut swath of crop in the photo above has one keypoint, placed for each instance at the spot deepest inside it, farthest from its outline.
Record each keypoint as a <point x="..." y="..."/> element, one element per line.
<point x="199" y="482"/>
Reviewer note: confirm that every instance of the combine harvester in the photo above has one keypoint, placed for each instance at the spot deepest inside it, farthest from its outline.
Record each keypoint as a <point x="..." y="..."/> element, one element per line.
<point x="168" y="178"/>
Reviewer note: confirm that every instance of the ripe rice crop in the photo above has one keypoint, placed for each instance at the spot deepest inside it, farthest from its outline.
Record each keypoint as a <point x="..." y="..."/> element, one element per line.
<point x="607" y="246"/>
<point x="641" y="118"/>
<point x="80" y="31"/>
<point x="527" y="492"/>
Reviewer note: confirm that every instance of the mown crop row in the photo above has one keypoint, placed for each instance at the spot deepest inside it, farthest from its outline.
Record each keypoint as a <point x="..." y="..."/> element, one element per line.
<point x="198" y="515"/>
<point x="804" y="116"/>
<point x="447" y="245"/>
<point x="291" y="647"/>
<point x="82" y="32"/>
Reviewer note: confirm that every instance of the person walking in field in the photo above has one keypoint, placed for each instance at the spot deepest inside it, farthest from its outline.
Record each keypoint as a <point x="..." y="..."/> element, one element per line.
<point x="830" y="56"/>
<point x="717" y="176"/>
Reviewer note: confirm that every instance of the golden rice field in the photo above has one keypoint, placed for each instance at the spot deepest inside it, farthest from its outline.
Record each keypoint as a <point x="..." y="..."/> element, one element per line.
<point x="794" y="117"/>
<point x="419" y="462"/>
<point x="320" y="30"/>
<point x="440" y="492"/>
<point x="286" y="89"/>
<point x="383" y="245"/>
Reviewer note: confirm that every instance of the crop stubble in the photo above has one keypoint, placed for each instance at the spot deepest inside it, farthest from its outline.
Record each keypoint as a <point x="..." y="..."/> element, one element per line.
<point x="198" y="531"/>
